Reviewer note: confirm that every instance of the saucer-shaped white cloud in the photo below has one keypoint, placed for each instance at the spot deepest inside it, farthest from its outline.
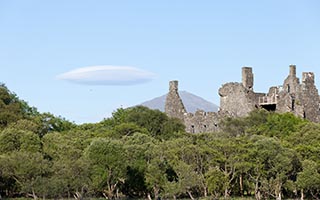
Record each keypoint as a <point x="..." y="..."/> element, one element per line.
<point x="107" y="75"/>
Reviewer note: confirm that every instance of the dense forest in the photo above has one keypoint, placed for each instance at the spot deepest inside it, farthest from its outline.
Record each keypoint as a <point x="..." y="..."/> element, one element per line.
<point x="141" y="153"/>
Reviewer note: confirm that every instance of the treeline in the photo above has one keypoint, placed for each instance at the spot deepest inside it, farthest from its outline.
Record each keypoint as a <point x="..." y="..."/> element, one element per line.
<point x="141" y="153"/>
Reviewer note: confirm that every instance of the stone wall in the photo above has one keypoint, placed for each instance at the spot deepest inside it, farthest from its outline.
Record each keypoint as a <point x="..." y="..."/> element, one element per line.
<point x="239" y="99"/>
<point x="247" y="78"/>
<point x="299" y="98"/>
<point x="201" y="122"/>
<point x="309" y="97"/>
<point x="174" y="106"/>
<point x="236" y="99"/>
<point x="289" y="94"/>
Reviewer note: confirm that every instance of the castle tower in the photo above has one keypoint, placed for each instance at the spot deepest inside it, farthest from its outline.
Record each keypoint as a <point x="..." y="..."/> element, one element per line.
<point x="310" y="97"/>
<point x="293" y="70"/>
<point x="292" y="82"/>
<point x="174" y="106"/>
<point x="247" y="78"/>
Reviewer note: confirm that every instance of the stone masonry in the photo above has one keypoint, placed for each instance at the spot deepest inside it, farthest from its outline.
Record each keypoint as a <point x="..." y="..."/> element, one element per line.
<point x="238" y="99"/>
<point x="174" y="106"/>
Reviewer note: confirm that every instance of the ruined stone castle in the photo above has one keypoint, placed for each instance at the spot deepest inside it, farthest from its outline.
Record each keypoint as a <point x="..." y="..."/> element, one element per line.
<point x="238" y="99"/>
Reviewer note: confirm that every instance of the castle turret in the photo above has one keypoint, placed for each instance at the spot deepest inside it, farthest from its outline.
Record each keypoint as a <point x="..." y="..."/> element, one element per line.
<point x="310" y="97"/>
<point x="291" y="83"/>
<point x="293" y="71"/>
<point x="247" y="78"/>
<point x="174" y="106"/>
<point x="173" y="86"/>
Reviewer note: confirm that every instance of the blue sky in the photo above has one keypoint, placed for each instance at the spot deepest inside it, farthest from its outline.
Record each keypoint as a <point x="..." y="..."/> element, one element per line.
<point x="203" y="44"/>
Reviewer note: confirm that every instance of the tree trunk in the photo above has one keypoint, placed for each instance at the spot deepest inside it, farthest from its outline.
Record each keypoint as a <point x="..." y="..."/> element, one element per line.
<point x="226" y="193"/>
<point x="278" y="192"/>
<point x="149" y="197"/>
<point x="117" y="194"/>
<point x="315" y="196"/>
<point x="205" y="190"/>
<point x="302" y="194"/>
<point x="257" y="193"/>
<point x="156" y="193"/>
<point x="110" y="192"/>
<point x="190" y="195"/>
<point x="241" y="185"/>
<point x="33" y="195"/>
<point x="279" y="196"/>
<point x="78" y="196"/>
<point x="105" y="196"/>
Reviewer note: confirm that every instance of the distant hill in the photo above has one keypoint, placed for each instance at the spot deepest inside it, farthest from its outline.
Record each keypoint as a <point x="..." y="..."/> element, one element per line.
<point x="191" y="102"/>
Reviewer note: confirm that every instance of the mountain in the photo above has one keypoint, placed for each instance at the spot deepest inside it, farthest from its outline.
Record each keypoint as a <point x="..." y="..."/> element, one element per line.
<point x="191" y="102"/>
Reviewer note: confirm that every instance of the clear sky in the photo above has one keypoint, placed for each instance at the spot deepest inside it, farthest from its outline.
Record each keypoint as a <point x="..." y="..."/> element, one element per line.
<point x="137" y="46"/>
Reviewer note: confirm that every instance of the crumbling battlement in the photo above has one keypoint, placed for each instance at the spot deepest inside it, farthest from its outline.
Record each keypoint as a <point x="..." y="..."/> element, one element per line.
<point x="238" y="99"/>
<point x="174" y="106"/>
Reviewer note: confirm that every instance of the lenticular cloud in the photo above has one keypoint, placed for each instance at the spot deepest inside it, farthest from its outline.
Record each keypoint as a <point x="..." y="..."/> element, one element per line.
<point x="107" y="75"/>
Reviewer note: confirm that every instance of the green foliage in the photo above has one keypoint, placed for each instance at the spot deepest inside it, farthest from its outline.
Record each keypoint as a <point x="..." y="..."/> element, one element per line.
<point x="306" y="141"/>
<point x="247" y="125"/>
<point x="18" y="140"/>
<point x="12" y="108"/>
<point x="27" y="125"/>
<point x="217" y="182"/>
<point x="128" y="129"/>
<point x="107" y="160"/>
<point x="172" y="128"/>
<point x="26" y="169"/>
<point x="309" y="178"/>
<point x="156" y="123"/>
<point x="142" y="153"/>
<point x="234" y="126"/>
<point x="280" y="125"/>
<point x="49" y="123"/>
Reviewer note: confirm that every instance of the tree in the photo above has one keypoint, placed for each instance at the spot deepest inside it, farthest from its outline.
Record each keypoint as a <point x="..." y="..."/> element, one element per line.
<point x="49" y="123"/>
<point x="26" y="169"/>
<point x="309" y="179"/>
<point x="69" y="176"/>
<point x="217" y="182"/>
<point x="181" y="169"/>
<point x="155" y="176"/>
<point x="279" y="125"/>
<point x="157" y="123"/>
<point x="138" y="155"/>
<point x="12" y="139"/>
<point x="127" y="129"/>
<point x="10" y="110"/>
<point x="108" y="164"/>
<point x="305" y="141"/>
<point x="271" y="166"/>
<point x="70" y="170"/>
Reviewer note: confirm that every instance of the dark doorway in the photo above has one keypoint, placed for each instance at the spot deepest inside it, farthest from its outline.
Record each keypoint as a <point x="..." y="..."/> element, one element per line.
<point x="270" y="107"/>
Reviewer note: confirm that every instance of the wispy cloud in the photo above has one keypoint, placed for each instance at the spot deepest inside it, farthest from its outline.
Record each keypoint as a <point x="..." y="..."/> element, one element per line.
<point x="107" y="75"/>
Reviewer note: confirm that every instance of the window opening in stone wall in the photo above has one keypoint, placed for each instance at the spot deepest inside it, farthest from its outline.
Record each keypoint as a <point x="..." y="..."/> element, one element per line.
<point x="192" y="128"/>
<point x="205" y="126"/>
<point x="292" y="104"/>
<point x="288" y="88"/>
